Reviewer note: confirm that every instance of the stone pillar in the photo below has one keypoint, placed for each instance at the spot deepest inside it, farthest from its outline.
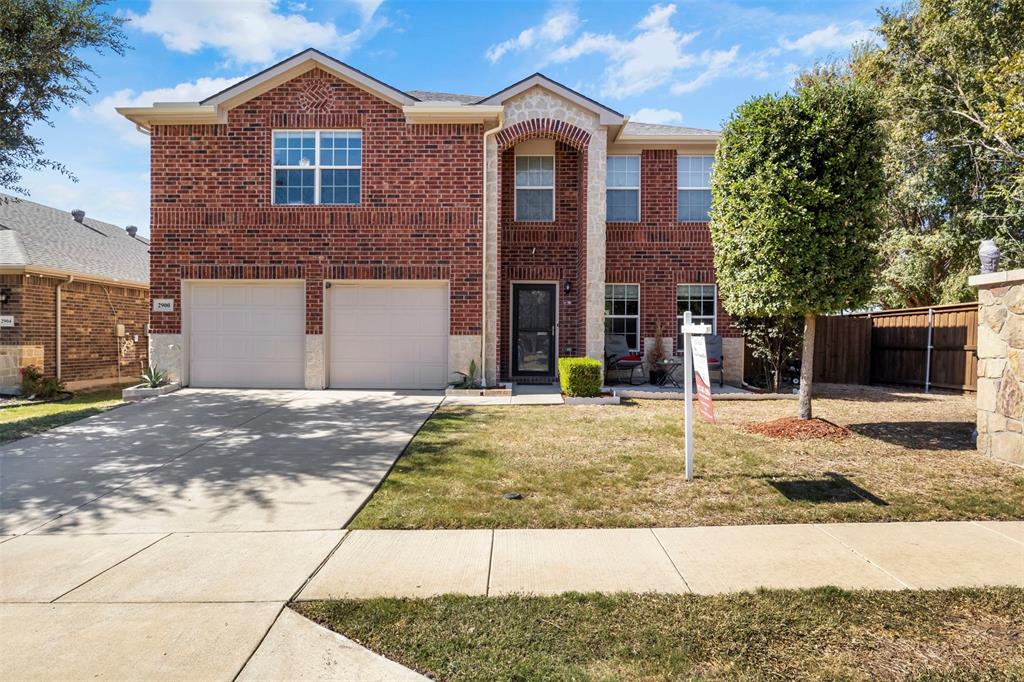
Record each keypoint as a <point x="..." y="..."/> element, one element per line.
<point x="314" y="375"/>
<point x="165" y="355"/>
<point x="1001" y="364"/>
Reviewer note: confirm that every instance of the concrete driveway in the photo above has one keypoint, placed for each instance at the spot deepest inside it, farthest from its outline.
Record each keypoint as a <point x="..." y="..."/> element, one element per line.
<point x="163" y="539"/>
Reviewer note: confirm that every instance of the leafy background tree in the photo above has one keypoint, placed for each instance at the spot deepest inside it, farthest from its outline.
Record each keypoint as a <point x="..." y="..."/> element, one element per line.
<point x="773" y="342"/>
<point x="796" y="206"/>
<point x="42" y="69"/>
<point x="950" y="76"/>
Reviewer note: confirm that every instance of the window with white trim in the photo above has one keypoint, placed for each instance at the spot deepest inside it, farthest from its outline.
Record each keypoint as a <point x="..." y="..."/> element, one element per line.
<point x="623" y="193"/>
<point x="535" y="188"/>
<point x="699" y="299"/>
<point x="622" y="312"/>
<point x="317" y="167"/>
<point x="693" y="177"/>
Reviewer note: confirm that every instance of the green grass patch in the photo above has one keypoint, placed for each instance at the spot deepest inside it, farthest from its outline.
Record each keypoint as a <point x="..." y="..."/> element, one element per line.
<point x="28" y="420"/>
<point x="910" y="458"/>
<point x="825" y="633"/>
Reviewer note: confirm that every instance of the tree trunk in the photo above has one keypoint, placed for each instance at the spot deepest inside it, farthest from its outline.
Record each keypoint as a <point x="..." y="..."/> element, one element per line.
<point x="807" y="366"/>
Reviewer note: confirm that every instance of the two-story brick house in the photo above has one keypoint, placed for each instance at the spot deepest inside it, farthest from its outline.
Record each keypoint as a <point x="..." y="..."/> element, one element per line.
<point x="314" y="227"/>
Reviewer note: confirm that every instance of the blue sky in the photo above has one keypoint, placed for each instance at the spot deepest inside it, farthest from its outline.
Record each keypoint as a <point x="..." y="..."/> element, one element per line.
<point x="688" y="63"/>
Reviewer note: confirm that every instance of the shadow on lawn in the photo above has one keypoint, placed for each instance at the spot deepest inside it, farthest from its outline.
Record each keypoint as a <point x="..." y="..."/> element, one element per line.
<point x="834" y="489"/>
<point x="952" y="435"/>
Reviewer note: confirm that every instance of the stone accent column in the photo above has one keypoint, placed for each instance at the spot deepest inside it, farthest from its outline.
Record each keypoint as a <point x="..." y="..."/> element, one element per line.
<point x="492" y="272"/>
<point x="597" y="163"/>
<point x="315" y="376"/>
<point x="165" y="355"/>
<point x="1001" y="364"/>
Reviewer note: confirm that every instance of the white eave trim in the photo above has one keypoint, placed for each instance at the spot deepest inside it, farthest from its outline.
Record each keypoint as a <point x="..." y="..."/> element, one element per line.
<point x="163" y="113"/>
<point x="665" y="139"/>
<point x="605" y="115"/>
<point x="40" y="271"/>
<point x="470" y="113"/>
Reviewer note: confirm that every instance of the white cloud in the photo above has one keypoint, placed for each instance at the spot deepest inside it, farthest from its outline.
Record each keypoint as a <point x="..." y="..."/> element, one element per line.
<point x="660" y="116"/>
<point x="655" y="54"/>
<point x="717" y="63"/>
<point x="104" y="110"/>
<point x="248" y="31"/>
<point x="832" y="37"/>
<point x="117" y="197"/>
<point x="646" y="60"/>
<point x="555" y="28"/>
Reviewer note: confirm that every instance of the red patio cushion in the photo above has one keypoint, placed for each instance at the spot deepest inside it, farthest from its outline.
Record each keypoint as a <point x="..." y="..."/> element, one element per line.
<point x="631" y="358"/>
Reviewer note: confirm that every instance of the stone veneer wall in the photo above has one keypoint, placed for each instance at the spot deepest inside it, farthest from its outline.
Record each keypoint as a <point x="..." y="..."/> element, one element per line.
<point x="1001" y="365"/>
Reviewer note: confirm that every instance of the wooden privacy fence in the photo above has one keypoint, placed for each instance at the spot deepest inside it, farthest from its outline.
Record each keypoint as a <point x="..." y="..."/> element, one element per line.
<point x="929" y="347"/>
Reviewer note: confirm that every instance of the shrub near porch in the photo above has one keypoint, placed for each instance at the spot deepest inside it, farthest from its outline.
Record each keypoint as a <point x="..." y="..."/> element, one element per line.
<point x="910" y="457"/>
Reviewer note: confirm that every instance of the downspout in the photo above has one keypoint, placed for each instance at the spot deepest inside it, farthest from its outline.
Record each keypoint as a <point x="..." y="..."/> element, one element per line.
<point x="69" y="280"/>
<point x="483" y="272"/>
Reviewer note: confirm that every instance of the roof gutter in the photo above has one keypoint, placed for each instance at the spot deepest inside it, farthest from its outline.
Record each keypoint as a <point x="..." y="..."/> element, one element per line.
<point x="77" y="276"/>
<point x="428" y="113"/>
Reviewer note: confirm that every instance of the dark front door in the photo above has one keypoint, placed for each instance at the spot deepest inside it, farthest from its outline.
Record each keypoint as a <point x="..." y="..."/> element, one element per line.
<point x="533" y="329"/>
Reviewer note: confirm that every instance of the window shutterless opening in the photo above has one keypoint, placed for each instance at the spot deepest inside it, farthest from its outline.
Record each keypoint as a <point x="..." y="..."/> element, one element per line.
<point x="317" y="167"/>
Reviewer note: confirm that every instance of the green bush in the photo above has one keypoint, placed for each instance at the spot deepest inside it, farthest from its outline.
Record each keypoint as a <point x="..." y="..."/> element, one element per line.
<point x="35" y="386"/>
<point x="580" y="377"/>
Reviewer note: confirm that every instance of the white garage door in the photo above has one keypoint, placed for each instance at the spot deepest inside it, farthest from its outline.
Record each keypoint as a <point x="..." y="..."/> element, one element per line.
<point x="247" y="335"/>
<point x="388" y="334"/>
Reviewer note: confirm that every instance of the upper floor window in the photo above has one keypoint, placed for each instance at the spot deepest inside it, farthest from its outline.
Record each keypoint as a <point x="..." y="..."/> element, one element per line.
<point x="318" y="166"/>
<point x="623" y="189"/>
<point x="535" y="188"/>
<point x="693" y="175"/>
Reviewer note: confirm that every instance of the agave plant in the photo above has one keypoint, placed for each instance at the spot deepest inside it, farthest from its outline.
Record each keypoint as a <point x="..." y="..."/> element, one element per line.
<point x="154" y="378"/>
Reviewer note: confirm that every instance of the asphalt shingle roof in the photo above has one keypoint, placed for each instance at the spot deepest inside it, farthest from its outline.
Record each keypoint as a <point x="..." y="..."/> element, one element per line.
<point x="32" y="234"/>
<point x="428" y="96"/>
<point x="638" y="128"/>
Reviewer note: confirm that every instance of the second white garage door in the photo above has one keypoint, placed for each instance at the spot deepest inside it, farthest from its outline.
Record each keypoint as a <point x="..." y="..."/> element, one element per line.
<point x="388" y="334"/>
<point x="247" y="335"/>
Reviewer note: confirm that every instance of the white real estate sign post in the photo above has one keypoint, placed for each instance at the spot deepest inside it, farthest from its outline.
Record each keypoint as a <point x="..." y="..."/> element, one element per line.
<point x="688" y="329"/>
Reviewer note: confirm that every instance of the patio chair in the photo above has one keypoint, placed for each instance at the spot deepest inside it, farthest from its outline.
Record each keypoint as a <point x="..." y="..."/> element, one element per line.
<point x="716" y="363"/>
<point x="618" y="357"/>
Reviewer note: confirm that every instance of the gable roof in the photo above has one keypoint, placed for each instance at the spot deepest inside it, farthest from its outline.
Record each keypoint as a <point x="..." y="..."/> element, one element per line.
<point x="289" y="68"/>
<point x="606" y="115"/>
<point x="447" y="97"/>
<point x="34" y="236"/>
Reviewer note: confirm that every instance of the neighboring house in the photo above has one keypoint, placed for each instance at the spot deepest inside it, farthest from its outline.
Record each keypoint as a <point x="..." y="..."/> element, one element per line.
<point x="74" y="296"/>
<point x="315" y="227"/>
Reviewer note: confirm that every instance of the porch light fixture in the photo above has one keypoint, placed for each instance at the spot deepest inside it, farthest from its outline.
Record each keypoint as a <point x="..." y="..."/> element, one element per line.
<point x="568" y="286"/>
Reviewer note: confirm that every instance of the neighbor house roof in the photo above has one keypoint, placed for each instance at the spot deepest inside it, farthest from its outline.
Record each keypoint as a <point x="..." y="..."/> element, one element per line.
<point x="38" y="238"/>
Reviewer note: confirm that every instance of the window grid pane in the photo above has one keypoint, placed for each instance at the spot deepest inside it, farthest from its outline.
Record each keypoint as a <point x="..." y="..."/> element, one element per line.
<point x="623" y="205"/>
<point x="694" y="172"/>
<point x="535" y="171"/>
<point x="694" y="205"/>
<point x="699" y="299"/>
<point x="535" y="204"/>
<point x="622" y="312"/>
<point x="339" y="186"/>
<point x="294" y="187"/>
<point x="624" y="172"/>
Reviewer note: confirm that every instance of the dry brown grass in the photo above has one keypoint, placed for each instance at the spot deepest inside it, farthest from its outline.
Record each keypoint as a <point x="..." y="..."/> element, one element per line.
<point x="910" y="457"/>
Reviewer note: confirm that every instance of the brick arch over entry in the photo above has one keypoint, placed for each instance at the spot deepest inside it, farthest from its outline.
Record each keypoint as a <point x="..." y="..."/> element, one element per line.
<point x="543" y="127"/>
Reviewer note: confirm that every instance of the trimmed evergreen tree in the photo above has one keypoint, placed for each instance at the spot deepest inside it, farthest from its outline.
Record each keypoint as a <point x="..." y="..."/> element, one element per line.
<point x="796" y="207"/>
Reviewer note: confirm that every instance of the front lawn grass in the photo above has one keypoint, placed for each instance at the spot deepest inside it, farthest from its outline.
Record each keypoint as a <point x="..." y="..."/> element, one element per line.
<point x="911" y="458"/>
<point x="770" y="635"/>
<point x="28" y="420"/>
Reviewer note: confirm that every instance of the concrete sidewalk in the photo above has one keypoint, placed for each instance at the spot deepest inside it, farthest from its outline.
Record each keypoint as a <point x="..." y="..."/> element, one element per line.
<point x="705" y="560"/>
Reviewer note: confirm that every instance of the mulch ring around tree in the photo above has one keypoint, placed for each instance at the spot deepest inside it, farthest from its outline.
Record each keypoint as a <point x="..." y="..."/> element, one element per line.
<point x="794" y="428"/>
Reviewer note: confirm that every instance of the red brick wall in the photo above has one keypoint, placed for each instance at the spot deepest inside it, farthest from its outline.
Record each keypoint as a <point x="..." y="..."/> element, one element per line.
<point x="544" y="251"/>
<point x="89" y="315"/>
<point x="659" y="252"/>
<point x="420" y="215"/>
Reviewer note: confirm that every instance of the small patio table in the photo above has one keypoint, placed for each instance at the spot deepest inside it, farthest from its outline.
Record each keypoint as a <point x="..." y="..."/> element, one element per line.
<point x="667" y="367"/>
